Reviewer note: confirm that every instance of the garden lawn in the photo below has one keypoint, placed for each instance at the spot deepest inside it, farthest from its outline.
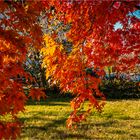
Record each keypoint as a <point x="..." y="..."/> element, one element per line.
<point x="120" y="119"/>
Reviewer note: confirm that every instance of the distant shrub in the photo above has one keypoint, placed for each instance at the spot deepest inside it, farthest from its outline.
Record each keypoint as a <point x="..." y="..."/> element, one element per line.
<point x="120" y="89"/>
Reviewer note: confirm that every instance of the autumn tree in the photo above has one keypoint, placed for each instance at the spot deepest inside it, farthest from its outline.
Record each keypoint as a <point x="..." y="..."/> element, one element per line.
<point x="95" y="45"/>
<point x="19" y="29"/>
<point x="78" y="69"/>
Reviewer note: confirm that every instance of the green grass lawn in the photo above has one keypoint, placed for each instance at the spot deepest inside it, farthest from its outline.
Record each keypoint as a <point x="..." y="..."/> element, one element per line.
<point x="120" y="119"/>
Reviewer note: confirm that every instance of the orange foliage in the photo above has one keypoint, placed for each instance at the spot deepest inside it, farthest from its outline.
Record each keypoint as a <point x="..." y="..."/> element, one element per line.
<point x="18" y="30"/>
<point x="37" y="94"/>
<point x="95" y="44"/>
<point x="10" y="130"/>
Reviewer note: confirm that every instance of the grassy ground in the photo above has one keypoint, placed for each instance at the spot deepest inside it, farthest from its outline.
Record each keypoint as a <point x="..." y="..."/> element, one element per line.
<point x="46" y="120"/>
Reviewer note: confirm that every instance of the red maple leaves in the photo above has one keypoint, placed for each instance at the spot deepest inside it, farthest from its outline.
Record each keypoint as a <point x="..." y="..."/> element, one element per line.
<point x="18" y="30"/>
<point x="10" y="130"/>
<point x="37" y="94"/>
<point x="95" y="44"/>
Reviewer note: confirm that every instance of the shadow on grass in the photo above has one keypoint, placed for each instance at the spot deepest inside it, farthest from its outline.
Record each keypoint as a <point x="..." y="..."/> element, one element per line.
<point x="62" y="100"/>
<point x="63" y="135"/>
<point x="107" y="123"/>
<point x="123" y="99"/>
<point x="53" y="129"/>
<point x="50" y="101"/>
<point x="42" y="116"/>
<point x="49" y="125"/>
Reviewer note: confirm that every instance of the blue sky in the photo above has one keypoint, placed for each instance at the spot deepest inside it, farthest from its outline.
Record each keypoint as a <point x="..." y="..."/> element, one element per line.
<point x="118" y="24"/>
<point x="136" y="14"/>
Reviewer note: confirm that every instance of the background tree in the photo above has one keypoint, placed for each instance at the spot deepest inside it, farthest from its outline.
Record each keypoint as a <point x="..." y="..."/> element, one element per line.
<point x="33" y="66"/>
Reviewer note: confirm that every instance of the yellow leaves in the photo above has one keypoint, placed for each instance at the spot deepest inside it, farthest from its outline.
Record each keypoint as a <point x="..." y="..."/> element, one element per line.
<point x="51" y="53"/>
<point x="51" y="45"/>
<point x="26" y="8"/>
<point x="50" y="71"/>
